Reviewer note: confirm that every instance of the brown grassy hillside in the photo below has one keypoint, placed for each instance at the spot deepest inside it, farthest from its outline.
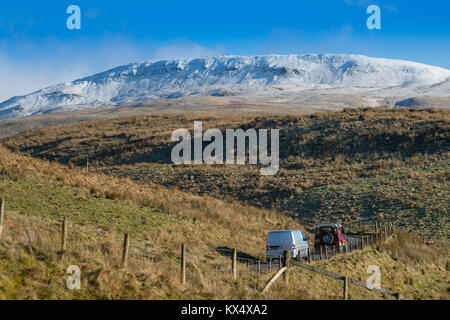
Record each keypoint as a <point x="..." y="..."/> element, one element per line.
<point x="101" y="208"/>
<point x="359" y="165"/>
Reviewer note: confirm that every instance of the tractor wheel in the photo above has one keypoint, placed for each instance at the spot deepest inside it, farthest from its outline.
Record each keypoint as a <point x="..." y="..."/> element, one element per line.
<point x="327" y="238"/>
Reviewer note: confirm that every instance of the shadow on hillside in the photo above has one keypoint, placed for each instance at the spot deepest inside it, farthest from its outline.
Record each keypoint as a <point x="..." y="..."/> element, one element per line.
<point x="226" y="252"/>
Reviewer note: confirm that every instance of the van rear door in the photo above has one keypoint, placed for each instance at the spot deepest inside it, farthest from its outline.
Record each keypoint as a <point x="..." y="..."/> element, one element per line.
<point x="277" y="242"/>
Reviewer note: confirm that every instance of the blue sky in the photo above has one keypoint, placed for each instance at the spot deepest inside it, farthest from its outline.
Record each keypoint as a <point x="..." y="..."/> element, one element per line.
<point x="37" y="50"/>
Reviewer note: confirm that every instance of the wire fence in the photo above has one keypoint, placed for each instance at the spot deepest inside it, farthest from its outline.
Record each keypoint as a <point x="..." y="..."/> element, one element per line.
<point x="80" y="237"/>
<point x="66" y="238"/>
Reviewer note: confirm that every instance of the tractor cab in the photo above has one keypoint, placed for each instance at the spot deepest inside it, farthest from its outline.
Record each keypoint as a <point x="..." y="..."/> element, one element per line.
<point x="330" y="234"/>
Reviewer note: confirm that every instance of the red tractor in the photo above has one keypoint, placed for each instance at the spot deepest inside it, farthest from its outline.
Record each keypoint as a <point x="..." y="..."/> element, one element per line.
<point x="330" y="234"/>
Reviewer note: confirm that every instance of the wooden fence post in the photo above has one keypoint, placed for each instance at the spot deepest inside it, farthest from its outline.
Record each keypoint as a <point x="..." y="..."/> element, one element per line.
<point x="345" y="288"/>
<point x="233" y="263"/>
<point x="2" y="215"/>
<point x="183" y="264"/>
<point x="274" y="278"/>
<point x="64" y="235"/>
<point x="362" y="242"/>
<point x="126" y="247"/>
<point x="286" y="263"/>
<point x="326" y="252"/>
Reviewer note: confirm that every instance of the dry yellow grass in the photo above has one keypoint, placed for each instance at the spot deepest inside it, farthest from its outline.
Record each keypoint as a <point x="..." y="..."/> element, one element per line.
<point x="32" y="268"/>
<point x="359" y="165"/>
<point x="100" y="208"/>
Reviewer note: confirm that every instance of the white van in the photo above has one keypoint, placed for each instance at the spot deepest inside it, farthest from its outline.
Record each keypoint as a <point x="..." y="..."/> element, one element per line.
<point x="292" y="240"/>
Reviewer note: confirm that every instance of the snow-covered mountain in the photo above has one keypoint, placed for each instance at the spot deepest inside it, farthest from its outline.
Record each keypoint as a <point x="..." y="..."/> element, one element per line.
<point x="276" y="78"/>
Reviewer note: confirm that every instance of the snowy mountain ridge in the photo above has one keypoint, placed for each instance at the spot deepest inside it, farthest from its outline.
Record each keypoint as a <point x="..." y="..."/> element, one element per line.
<point x="256" y="78"/>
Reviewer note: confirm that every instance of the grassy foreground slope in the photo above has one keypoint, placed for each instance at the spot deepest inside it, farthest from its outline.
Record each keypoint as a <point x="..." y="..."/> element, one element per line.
<point x="359" y="165"/>
<point x="101" y="208"/>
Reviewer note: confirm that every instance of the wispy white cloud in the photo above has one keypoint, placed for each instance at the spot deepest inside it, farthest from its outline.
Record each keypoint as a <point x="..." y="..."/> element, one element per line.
<point x="27" y="66"/>
<point x="185" y="49"/>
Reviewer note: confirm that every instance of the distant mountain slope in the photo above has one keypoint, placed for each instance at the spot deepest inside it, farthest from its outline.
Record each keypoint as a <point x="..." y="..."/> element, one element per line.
<point x="257" y="78"/>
